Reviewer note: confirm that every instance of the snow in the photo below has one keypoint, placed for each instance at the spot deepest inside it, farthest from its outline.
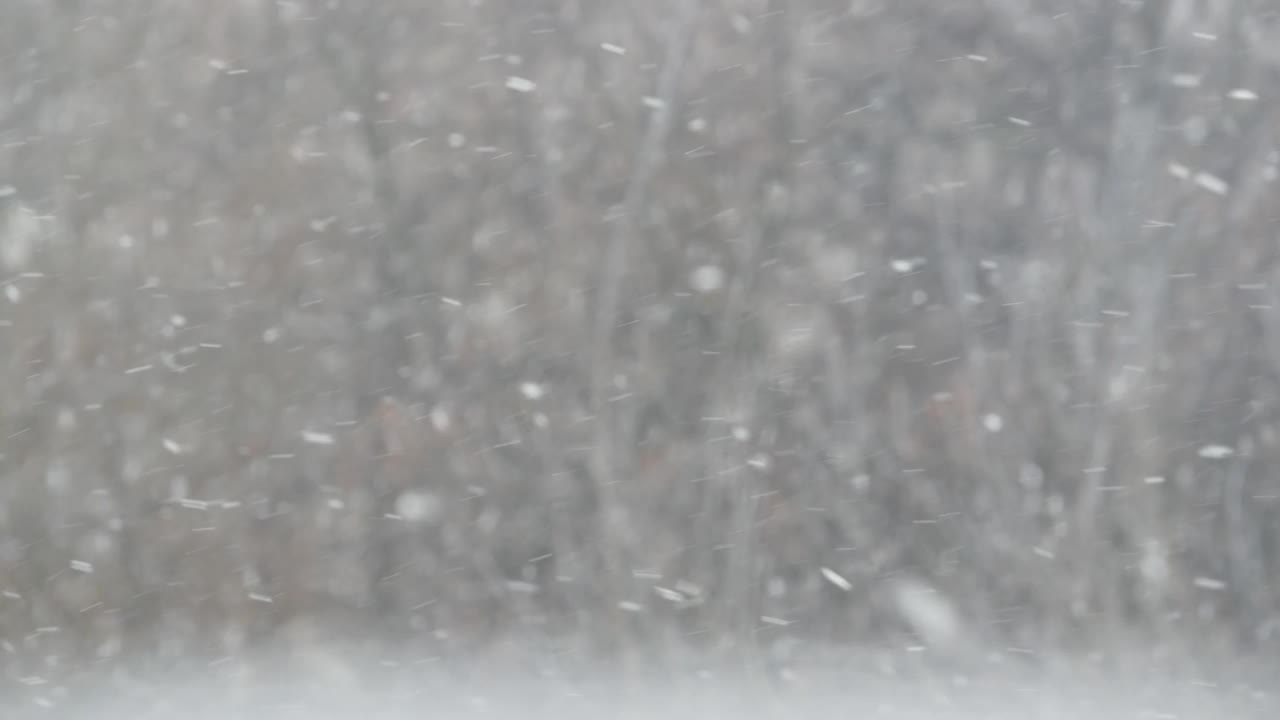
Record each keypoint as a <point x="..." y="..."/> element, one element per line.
<point x="903" y="266"/>
<point x="521" y="85"/>
<point x="668" y="594"/>
<point x="440" y="419"/>
<point x="906" y="683"/>
<point x="1216" y="452"/>
<point x="707" y="278"/>
<point x="417" y="506"/>
<point x="836" y="579"/>
<point x="1212" y="183"/>
<point x="315" y="437"/>
<point x="1206" y="583"/>
<point x="933" y="617"/>
<point x="668" y="296"/>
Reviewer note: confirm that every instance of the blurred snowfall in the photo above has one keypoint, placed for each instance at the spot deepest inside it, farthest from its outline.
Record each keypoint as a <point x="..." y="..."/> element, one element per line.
<point x="790" y="357"/>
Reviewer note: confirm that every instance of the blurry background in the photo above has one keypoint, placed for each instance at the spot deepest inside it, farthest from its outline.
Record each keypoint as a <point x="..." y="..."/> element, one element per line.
<point x="617" y="328"/>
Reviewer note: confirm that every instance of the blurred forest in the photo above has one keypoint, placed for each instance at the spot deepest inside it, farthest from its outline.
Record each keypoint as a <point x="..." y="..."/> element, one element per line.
<point x="608" y="327"/>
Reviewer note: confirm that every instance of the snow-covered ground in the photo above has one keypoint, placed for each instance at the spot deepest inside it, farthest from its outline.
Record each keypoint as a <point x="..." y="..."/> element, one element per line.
<point x="894" y="685"/>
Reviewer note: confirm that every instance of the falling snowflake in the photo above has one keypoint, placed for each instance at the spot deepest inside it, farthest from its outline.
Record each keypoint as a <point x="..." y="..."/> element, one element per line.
<point x="519" y="84"/>
<point x="836" y="579"/>
<point x="707" y="278"/>
<point x="1216" y="452"/>
<point x="313" y="437"/>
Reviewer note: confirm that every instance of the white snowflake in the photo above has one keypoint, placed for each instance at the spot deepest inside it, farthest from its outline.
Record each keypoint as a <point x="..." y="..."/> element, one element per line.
<point x="707" y="278"/>
<point x="522" y="85"/>
<point x="532" y="390"/>
<point x="1216" y="452"/>
<point x="314" y="437"/>
<point x="836" y="579"/>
